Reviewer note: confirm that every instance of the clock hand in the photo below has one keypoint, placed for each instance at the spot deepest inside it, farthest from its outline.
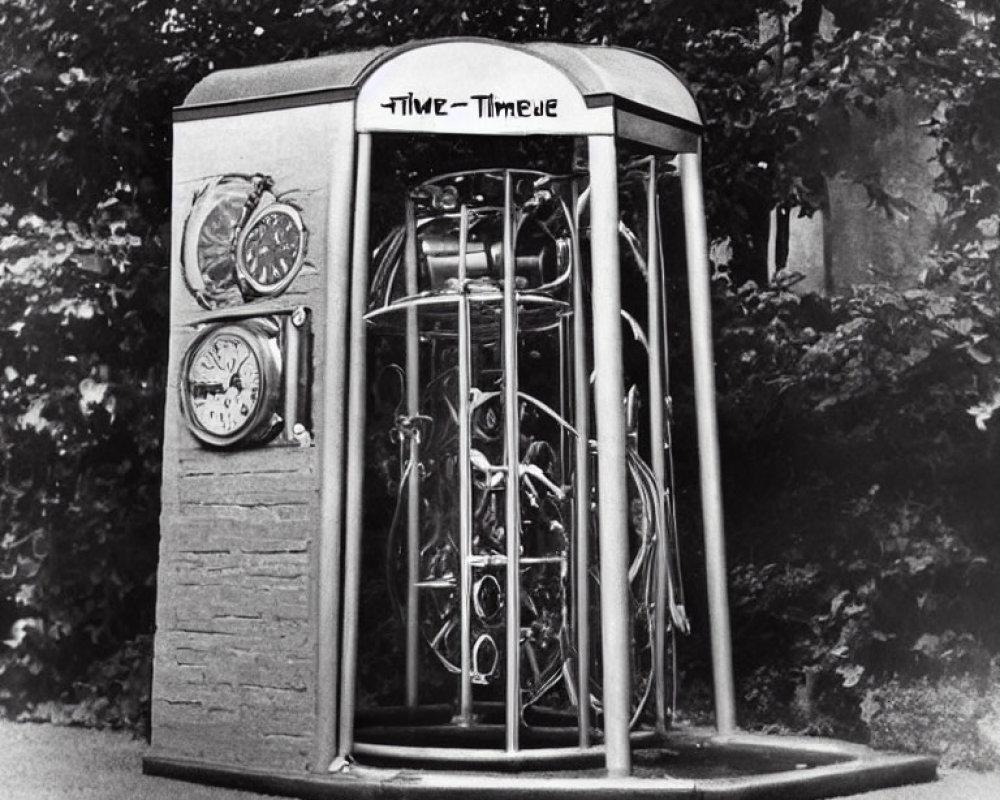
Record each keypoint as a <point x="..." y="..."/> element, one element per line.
<point x="217" y="358"/>
<point x="235" y="379"/>
<point x="204" y="388"/>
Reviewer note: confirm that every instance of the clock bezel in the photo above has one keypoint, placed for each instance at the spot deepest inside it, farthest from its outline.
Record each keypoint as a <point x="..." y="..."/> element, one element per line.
<point x="262" y="337"/>
<point x="242" y="271"/>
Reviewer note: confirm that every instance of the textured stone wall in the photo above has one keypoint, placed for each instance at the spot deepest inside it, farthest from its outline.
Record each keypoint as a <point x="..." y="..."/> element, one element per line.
<point x="235" y="650"/>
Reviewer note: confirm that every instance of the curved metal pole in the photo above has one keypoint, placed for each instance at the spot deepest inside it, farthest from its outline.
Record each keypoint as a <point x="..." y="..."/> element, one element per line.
<point x="355" y="451"/>
<point x="331" y="460"/>
<point x="512" y="440"/>
<point x="616" y="638"/>
<point x="700" y="298"/>
<point x="654" y="315"/>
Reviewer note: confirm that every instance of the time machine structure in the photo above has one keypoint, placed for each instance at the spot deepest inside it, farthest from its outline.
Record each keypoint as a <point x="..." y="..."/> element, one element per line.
<point x="419" y="532"/>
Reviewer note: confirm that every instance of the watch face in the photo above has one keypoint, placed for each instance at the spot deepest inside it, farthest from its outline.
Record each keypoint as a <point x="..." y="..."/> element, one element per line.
<point x="230" y="384"/>
<point x="271" y="249"/>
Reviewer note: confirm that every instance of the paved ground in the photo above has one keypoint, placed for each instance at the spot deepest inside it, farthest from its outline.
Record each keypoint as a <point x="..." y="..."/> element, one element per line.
<point x="46" y="762"/>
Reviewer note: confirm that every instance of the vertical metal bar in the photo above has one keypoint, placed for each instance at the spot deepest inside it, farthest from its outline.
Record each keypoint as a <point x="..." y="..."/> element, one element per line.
<point x="564" y="392"/>
<point x="512" y="437"/>
<point x="700" y="298"/>
<point x="616" y="639"/>
<point x="413" y="487"/>
<point x="331" y="443"/>
<point x="464" y="473"/>
<point x="293" y="357"/>
<point x="581" y="508"/>
<point x="656" y="439"/>
<point x="355" y="449"/>
<point x="674" y="592"/>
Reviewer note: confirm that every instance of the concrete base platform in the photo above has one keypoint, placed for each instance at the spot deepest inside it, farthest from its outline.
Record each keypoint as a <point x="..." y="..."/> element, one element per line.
<point x="692" y="764"/>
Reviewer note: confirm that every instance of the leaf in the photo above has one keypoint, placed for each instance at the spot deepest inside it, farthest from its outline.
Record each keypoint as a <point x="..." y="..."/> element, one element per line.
<point x="91" y="393"/>
<point x="916" y="355"/>
<point x="850" y="674"/>
<point x="978" y="355"/>
<point x="918" y="563"/>
<point x="928" y="644"/>
<point x="869" y="707"/>
<point x="961" y="326"/>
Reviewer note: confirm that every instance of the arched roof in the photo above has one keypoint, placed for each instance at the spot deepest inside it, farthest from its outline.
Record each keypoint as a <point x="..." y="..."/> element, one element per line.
<point x="598" y="89"/>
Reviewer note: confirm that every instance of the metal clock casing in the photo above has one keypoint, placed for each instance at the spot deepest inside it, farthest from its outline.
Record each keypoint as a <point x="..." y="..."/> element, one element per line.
<point x="231" y="381"/>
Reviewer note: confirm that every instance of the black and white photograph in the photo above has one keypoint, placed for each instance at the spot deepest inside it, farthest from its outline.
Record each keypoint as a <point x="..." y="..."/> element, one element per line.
<point x="428" y="399"/>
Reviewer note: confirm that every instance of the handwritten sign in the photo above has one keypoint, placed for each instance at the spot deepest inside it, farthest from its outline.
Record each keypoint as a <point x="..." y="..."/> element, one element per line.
<point x="487" y="106"/>
<point x="477" y="88"/>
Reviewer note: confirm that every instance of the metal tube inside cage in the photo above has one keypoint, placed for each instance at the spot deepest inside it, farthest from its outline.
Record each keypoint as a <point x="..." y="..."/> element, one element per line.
<point x="581" y="484"/>
<point x="464" y="476"/>
<point x="413" y="472"/>
<point x="512" y="448"/>
<point x="656" y="436"/>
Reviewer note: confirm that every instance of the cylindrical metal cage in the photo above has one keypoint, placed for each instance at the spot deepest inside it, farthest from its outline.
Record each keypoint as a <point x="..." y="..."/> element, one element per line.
<point x="479" y="409"/>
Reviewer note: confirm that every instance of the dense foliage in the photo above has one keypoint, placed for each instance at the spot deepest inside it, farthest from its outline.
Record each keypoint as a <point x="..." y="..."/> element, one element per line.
<point x="83" y="352"/>
<point x="861" y="467"/>
<point x="859" y="486"/>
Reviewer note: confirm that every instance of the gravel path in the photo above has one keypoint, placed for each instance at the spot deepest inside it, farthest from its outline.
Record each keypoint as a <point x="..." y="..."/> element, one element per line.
<point x="47" y="762"/>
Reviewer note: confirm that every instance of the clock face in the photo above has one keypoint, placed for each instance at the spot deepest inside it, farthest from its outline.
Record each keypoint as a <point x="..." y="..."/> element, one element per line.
<point x="271" y="248"/>
<point x="230" y="384"/>
<point x="224" y="384"/>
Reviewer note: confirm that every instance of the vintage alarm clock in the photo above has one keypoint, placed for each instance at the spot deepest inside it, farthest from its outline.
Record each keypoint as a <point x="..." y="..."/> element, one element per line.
<point x="231" y="383"/>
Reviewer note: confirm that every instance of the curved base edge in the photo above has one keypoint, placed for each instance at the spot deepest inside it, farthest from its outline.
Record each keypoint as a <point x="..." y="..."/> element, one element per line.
<point x="849" y="769"/>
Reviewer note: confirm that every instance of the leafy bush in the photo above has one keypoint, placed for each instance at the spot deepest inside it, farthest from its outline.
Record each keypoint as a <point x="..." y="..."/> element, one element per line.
<point x="113" y="693"/>
<point x="80" y="427"/>
<point x="859" y="445"/>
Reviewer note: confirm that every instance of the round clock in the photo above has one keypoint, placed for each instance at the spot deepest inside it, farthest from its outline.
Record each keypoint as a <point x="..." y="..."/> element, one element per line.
<point x="231" y="382"/>
<point x="270" y="248"/>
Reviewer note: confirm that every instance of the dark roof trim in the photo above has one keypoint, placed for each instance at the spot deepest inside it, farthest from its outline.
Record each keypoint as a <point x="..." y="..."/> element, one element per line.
<point x="622" y="104"/>
<point x="274" y="102"/>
